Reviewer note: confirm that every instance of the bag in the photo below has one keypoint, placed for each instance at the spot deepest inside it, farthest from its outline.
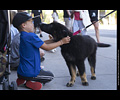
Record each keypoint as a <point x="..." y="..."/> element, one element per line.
<point x="4" y="29"/>
<point x="85" y="16"/>
<point x="3" y="62"/>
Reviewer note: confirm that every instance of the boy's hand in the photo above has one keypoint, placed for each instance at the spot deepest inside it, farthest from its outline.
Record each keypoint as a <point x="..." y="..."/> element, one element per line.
<point x="53" y="45"/>
<point x="65" y="40"/>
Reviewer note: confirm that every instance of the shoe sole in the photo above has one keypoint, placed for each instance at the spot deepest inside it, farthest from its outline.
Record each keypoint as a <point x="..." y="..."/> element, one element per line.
<point x="33" y="85"/>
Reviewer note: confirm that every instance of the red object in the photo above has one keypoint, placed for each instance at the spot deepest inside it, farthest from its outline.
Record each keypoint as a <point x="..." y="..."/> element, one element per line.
<point x="20" y="81"/>
<point x="4" y="48"/>
<point x="34" y="85"/>
<point x="77" y="15"/>
<point x="77" y="32"/>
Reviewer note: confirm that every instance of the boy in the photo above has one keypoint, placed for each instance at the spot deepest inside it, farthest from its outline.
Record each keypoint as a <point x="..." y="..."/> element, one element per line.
<point x="29" y="66"/>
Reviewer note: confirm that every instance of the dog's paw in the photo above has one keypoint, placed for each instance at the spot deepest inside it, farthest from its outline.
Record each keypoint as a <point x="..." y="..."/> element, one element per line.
<point x="69" y="84"/>
<point x="85" y="83"/>
<point x="93" y="78"/>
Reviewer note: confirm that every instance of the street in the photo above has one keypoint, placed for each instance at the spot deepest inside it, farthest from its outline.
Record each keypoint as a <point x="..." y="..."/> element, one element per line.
<point x="106" y="66"/>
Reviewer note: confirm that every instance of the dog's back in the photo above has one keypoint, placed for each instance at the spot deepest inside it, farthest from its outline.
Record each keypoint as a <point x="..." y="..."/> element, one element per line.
<point x="79" y="48"/>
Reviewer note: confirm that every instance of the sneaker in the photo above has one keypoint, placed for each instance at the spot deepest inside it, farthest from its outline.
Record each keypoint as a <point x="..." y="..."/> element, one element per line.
<point x="20" y="81"/>
<point x="33" y="85"/>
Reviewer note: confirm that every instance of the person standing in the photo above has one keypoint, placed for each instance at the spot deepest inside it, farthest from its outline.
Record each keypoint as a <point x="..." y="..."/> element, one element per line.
<point x="81" y="20"/>
<point x="13" y="30"/>
<point x="37" y="20"/>
<point x="55" y="16"/>
<point x="94" y="17"/>
<point x="67" y="19"/>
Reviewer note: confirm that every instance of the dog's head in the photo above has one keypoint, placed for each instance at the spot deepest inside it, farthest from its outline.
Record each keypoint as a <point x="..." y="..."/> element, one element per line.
<point x="57" y="30"/>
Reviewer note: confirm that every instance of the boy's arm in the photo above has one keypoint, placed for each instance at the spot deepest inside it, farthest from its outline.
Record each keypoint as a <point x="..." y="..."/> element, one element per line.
<point x="49" y="41"/>
<point x="55" y="44"/>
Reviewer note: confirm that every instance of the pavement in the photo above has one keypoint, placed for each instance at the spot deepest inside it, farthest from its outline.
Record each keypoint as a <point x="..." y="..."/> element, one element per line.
<point x="106" y="66"/>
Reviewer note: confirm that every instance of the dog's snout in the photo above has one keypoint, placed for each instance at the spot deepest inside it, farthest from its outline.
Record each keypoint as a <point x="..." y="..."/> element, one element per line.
<point x="45" y="27"/>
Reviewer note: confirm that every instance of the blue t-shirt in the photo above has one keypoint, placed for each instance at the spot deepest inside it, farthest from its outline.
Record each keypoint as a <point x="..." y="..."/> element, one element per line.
<point x="29" y="65"/>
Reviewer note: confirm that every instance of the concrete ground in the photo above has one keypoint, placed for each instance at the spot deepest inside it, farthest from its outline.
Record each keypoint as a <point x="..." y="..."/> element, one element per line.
<point x="106" y="66"/>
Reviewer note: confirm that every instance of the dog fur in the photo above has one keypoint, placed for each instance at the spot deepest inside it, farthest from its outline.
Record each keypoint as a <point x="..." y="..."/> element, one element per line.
<point x="75" y="53"/>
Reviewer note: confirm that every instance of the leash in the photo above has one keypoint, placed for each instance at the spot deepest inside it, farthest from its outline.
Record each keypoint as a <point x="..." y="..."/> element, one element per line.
<point x="36" y="16"/>
<point x="96" y="21"/>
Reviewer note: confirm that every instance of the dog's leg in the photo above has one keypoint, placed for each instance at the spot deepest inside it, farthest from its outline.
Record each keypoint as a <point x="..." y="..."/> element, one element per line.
<point x="84" y="79"/>
<point x="72" y="70"/>
<point x="93" y="77"/>
<point x="92" y="62"/>
<point x="81" y="68"/>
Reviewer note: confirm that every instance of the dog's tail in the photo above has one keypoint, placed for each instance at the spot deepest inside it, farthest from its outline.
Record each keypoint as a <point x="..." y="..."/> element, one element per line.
<point x="103" y="45"/>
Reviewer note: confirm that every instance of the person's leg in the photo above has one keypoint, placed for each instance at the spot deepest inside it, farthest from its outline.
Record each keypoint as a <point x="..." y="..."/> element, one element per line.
<point x="40" y="32"/>
<point x="96" y="26"/>
<point x="71" y="25"/>
<point x="39" y="28"/>
<point x="24" y="78"/>
<point x="42" y="53"/>
<point x="81" y="26"/>
<point x="76" y="29"/>
<point x="67" y="23"/>
<point x="75" y="26"/>
<point x="45" y="73"/>
<point x="44" y="76"/>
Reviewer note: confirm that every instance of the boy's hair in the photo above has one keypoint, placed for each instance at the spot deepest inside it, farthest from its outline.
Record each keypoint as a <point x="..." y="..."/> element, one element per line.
<point x="19" y="28"/>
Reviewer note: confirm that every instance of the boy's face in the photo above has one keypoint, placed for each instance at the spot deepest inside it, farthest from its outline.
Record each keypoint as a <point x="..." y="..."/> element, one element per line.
<point x="28" y="26"/>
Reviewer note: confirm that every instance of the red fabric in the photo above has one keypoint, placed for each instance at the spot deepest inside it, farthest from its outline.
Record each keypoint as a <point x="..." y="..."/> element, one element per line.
<point x="77" y="16"/>
<point x="77" y="32"/>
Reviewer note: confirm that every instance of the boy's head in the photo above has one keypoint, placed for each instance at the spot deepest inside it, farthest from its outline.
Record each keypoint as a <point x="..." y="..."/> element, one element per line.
<point x="23" y="22"/>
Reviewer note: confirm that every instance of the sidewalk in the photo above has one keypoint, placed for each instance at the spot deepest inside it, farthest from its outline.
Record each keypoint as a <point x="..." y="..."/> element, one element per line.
<point x="106" y="68"/>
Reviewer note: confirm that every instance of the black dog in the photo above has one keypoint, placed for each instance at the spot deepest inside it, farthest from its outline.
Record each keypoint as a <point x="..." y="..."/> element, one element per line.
<point x="74" y="53"/>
